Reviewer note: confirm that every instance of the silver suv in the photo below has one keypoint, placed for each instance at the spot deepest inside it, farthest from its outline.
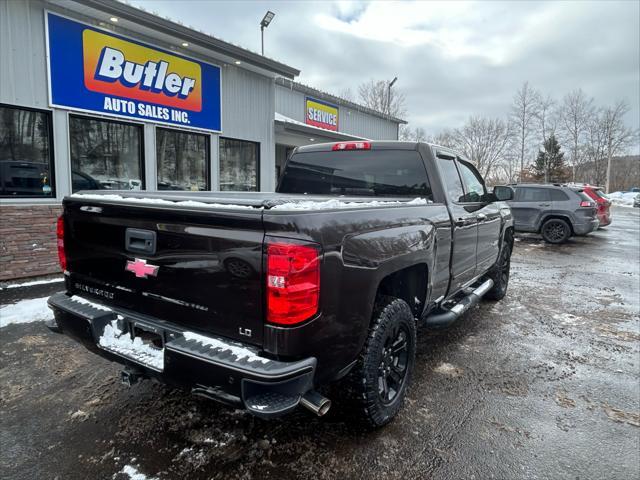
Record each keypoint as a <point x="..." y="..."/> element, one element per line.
<point x="555" y="211"/>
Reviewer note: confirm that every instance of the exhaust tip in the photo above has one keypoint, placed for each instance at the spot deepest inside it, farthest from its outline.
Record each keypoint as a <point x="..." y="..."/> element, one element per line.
<point x="316" y="403"/>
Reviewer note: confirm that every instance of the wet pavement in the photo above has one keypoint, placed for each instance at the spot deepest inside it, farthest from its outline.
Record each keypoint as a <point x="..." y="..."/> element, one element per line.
<point x="545" y="384"/>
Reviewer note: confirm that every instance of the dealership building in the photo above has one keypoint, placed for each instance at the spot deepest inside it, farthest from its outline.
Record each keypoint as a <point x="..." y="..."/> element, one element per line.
<point x="97" y="94"/>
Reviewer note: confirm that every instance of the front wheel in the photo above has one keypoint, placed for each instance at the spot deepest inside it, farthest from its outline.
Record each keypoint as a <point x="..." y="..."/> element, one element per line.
<point x="556" y="231"/>
<point x="380" y="379"/>
<point x="500" y="271"/>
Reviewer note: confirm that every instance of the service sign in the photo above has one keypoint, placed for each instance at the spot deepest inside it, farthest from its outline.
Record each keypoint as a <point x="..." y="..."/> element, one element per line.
<point x="321" y="114"/>
<point x="94" y="71"/>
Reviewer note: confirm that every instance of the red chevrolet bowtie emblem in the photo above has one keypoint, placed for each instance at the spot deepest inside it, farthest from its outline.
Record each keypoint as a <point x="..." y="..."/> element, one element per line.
<point x="140" y="268"/>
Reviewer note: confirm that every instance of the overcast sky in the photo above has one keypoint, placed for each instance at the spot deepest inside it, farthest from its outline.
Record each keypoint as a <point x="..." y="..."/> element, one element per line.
<point x="452" y="59"/>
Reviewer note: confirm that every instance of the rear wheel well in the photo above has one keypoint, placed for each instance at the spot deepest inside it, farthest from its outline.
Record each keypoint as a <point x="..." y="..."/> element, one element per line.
<point x="557" y="217"/>
<point x="408" y="284"/>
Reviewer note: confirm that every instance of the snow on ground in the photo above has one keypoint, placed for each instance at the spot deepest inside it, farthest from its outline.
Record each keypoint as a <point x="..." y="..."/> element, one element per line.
<point x="32" y="283"/>
<point x="335" y="204"/>
<point x="25" y="311"/>
<point x="240" y="353"/>
<point x="115" y="340"/>
<point x="133" y="473"/>
<point x="622" y="199"/>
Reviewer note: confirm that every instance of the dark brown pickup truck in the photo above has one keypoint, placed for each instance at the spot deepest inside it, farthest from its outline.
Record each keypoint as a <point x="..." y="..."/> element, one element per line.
<point x="260" y="300"/>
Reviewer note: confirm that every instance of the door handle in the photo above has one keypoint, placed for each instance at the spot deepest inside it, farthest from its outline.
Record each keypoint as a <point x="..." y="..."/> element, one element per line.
<point x="481" y="217"/>
<point x="544" y="204"/>
<point x="460" y="222"/>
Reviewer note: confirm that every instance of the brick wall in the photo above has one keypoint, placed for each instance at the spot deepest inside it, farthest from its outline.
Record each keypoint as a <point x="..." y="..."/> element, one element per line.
<point x="28" y="240"/>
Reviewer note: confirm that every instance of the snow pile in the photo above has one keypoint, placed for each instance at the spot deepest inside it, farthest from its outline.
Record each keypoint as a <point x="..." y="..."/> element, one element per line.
<point x="133" y="473"/>
<point x="84" y="301"/>
<point x="33" y="283"/>
<point x="25" y="311"/>
<point x="301" y="205"/>
<point x="622" y="199"/>
<point x="115" y="340"/>
<point x="159" y="201"/>
<point x="337" y="204"/>
<point x="240" y="353"/>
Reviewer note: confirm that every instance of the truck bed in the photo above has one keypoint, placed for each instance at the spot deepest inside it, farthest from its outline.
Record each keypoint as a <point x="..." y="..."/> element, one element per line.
<point x="246" y="201"/>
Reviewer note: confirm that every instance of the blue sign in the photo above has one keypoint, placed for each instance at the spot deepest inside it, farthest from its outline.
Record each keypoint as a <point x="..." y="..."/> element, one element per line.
<point x="96" y="71"/>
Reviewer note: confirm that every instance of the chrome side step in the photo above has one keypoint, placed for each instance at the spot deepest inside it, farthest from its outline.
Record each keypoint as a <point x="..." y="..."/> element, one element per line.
<point x="443" y="318"/>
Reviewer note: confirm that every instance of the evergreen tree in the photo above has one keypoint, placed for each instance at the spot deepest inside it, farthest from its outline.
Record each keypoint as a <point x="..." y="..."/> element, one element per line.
<point x="549" y="166"/>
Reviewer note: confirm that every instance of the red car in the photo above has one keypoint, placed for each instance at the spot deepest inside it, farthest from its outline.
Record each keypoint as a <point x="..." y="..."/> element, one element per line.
<point x="602" y="202"/>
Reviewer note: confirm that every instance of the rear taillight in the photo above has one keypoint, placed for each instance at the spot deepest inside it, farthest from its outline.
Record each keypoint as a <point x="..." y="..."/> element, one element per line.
<point x="62" y="257"/>
<point x="585" y="203"/>
<point x="293" y="282"/>
<point x="351" y="146"/>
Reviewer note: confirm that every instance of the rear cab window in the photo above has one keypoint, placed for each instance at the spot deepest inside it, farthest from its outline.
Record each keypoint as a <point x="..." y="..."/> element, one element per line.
<point x="372" y="173"/>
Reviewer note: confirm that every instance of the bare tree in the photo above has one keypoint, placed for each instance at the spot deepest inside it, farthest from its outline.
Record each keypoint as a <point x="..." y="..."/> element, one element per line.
<point x="413" y="135"/>
<point x="377" y="95"/>
<point x="347" y="94"/>
<point x="523" y="113"/>
<point x="482" y="140"/>
<point x="617" y="136"/>
<point x="546" y="116"/>
<point x="574" y="114"/>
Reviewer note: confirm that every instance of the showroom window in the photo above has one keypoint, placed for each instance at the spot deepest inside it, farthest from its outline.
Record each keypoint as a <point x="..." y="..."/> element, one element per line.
<point x="105" y="154"/>
<point x="183" y="160"/>
<point x="239" y="165"/>
<point x="26" y="156"/>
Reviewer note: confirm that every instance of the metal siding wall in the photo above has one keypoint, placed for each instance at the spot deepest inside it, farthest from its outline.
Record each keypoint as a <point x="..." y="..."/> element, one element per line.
<point x="365" y="125"/>
<point x="291" y="104"/>
<point x="248" y="110"/>
<point x="23" y="71"/>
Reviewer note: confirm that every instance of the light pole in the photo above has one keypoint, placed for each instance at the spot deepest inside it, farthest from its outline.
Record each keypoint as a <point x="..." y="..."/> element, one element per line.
<point x="265" y="23"/>
<point x="389" y="95"/>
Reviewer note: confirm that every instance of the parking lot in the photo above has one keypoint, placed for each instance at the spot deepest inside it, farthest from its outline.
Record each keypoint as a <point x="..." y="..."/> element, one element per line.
<point x="544" y="384"/>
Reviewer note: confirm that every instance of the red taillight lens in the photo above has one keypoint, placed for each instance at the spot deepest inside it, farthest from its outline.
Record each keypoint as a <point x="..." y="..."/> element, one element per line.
<point x="293" y="282"/>
<point x="62" y="257"/>
<point x="585" y="203"/>
<point x="351" y="146"/>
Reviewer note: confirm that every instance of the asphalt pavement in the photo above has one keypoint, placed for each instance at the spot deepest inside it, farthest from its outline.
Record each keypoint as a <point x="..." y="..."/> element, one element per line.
<point x="545" y="384"/>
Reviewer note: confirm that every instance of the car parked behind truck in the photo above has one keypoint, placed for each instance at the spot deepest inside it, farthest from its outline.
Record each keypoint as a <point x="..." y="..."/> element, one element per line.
<point x="555" y="211"/>
<point x="259" y="300"/>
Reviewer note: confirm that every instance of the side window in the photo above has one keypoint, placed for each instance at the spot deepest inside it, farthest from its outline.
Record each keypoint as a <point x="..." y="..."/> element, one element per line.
<point x="558" y="196"/>
<point x="452" y="181"/>
<point x="532" y="194"/>
<point x="474" y="187"/>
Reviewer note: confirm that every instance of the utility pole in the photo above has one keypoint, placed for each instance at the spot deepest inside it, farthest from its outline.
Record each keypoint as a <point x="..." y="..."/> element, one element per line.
<point x="389" y="95"/>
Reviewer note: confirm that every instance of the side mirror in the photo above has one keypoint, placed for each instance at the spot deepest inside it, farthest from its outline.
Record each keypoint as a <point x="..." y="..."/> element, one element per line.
<point x="503" y="193"/>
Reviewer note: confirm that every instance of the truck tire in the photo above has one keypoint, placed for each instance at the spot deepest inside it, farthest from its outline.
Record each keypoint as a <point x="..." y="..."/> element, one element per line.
<point x="555" y="231"/>
<point x="499" y="273"/>
<point x="382" y="374"/>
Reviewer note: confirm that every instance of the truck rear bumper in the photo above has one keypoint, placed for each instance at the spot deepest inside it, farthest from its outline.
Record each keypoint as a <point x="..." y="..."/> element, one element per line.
<point x="217" y="368"/>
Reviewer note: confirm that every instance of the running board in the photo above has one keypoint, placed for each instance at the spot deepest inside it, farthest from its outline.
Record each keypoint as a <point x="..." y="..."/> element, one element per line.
<point x="444" y="318"/>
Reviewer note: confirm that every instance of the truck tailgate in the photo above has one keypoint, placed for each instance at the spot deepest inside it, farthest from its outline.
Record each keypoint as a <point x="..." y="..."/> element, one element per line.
<point x="209" y="263"/>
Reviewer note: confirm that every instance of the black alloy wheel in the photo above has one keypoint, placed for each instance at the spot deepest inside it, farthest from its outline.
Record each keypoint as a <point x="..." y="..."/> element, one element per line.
<point x="378" y="383"/>
<point x="392" y="371"/>
<point x="556" y="231"/>
<point x="501" y="270"/>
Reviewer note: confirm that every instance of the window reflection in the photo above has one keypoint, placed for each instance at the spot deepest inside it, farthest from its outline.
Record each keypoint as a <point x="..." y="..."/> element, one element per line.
<point x="239" y="165"/>
<point x="106" y="154"/>
<point x="25" y="153"/>
<point x="183" y="160"/>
